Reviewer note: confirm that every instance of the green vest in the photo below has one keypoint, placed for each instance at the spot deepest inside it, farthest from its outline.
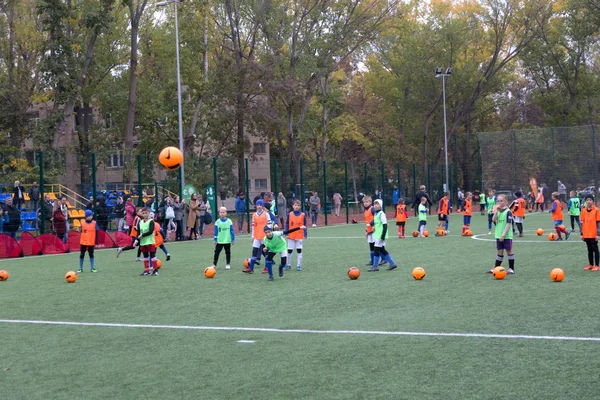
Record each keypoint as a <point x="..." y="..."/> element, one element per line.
<point x="145" y="227"/>
<point x="422" y="215"/>
<point x="482" y="198"/>
<point x="575" y="209"/>
<point x="378" y="227"/>
<point x="501" y="224"/>
<point x="277" y="244"/>
<point x="224" y="231"/>
<point x="490" y="203"/>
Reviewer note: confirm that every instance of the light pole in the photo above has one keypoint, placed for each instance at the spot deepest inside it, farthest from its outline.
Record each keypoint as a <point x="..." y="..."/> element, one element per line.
<point x="163" y="4"/>
<point x="438" y="73"/>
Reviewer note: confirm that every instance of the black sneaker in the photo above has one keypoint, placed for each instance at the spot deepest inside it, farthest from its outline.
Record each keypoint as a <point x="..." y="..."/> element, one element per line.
<point x="155" y="272"/>
<point x="145" y="273"/>
<point x="281" y="270"/>
<point x="491" y="271"/>
<point x="373" y="269"/>
<point x="383" y="262"/>
<point x="168" y="257"/>
<point x="391" y="267"/>
<point x="559" y="239"/>
<point x="567" y="235"/>
<point x="270" y="277"/>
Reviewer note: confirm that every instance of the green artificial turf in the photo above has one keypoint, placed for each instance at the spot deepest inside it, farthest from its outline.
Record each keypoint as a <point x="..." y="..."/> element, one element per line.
<point x="40" y="361"/>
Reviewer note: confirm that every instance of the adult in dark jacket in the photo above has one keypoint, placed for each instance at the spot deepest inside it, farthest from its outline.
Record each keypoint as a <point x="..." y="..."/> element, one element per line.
<point x="12" y="218"/>
<point x="420" y="194"/>
<point x="60" y="222"/>
<point x="119" y="212"/>
<point x="48" y="213"/>
<point x="18" y="195"/>
<point x="102" y="213"/>
<point x="178" y="208"/>
<point x="240" y="211"/>
<point x="34" y="196"/>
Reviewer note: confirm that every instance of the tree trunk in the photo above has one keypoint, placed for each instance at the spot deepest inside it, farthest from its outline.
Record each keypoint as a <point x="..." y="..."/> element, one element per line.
<point x="324" y="89"/>
<point x="14" y="139"/>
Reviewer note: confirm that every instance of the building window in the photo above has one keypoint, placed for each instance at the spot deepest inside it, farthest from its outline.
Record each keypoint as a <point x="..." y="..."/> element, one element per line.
<point x="115" y="160"/>
<point x="260" y="148"/>
<point x="260" y="184"/>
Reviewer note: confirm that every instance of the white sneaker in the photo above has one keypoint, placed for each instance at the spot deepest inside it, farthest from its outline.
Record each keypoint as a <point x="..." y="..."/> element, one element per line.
<point x="228" y="266"/>
<point x="214" y="266"/>
<point x="138" y="259"/>
<point x="314" y="225"/>
<point x="510" y="271"/>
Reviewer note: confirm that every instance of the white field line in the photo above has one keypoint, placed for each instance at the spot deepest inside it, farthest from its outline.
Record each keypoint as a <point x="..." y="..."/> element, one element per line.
<point x="485" y="238"/>
<point x="308" y="331"/>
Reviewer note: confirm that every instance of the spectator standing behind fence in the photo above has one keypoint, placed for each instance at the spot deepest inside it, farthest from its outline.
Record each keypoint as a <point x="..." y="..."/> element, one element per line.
<point x="60" y="223"/>
<point x="34" y="196"/>
<point x="202" y="207"/>
<point x="562" y="192"/>
<point x="281" y="209"/>
<point x="129" y="214"/>
<point x="240" y="210"/>
<point x="65" y="210"/>
<point x="178" y="209"/>
<point x="48" y="211"/>
<point x="315" y="204"/>
<point x="19" y="195"/>
<point x="337" y="203"/>
<point x="119" y="211"/>
<point x="12" y="218"/>
<point x="192" y="217"/>
<point x="102" y="214"/>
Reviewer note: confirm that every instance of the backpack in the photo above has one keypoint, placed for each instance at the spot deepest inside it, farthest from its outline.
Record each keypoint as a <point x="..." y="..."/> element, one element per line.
<point x="170" y="213"/>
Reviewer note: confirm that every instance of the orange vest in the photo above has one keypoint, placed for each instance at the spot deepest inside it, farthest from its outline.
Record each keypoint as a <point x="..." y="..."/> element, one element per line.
<point x="557" y="215"/>
<point x="259" y="222"/>
<point x="158" y="239"/>
<point x="521" y="210"/>
<point x="134" y="232"/>
<point x="401" y="213"/>
<point x="368" y="218"/>
<point x="443" y="206"/>
<point x="588" y="222"/>
<point x="88" y="233"/>
<point x="296" y="222"/>
<point x="540" y="198"/>
<point x="468" y="208"/>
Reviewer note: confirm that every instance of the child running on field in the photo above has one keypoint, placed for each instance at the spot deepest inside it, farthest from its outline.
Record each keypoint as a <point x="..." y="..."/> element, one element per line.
<point x="517" y="207"/>
<point x="260" y="219"/>
<point x="490" y="203"/>
<point x="557" y="217"/>
<point x="503" y="234"/>
<point x="369" y="215"/>
<point x="275" y="243"/>
<point x="380" y="234"/>
<point x="224" y="238"/>
<point x="295" y="219"/>
<point x="88" y="240"/>
<point x="422" y="217"/>
<point x="401" y="216"/>
<point x="159" y="238"/>
<point x="146" y="240"/>
<point x="590" y="232"/>
<point x="133" y="233"/>
<point x="467" y="208"/>
<point x="574" y="207"/>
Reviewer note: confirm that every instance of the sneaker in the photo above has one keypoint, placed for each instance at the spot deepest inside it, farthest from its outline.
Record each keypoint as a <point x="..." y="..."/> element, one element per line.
<point x="391" y="267"/>
<point x="257" y="262"/>
<point x="521" y="235"/>
<point x="93" y="270"/>
<point x="248" y="271"/>
<point x="270" y="277"/>
<point x="119" y="251"/>
<point x="265" y="271"/>
<point x="287" y="268"/>
<point x="281" y="270"/>
<point x="370" y="263"/>
<point x="298" y="268"/>
<point x="559" y="239"/>
<point x="588" y="268"/>
<point x="489" y="232"/>
<point x="168" y="257"/>
<point x="145" y="273"/>
<point x="155" y="272"/>
<point x="138" y="259"/>
<point x="214" y="266"/>
<point x="383" y="262"/>
<point x="595" y="268"/>
<point x="510" y="271"/>
<point x="373" y="269"/>
<point x="567" y="235"/>
<point x="228" y="266"/>
<point x="491" y="271"/>
<point x="80" y="270"/>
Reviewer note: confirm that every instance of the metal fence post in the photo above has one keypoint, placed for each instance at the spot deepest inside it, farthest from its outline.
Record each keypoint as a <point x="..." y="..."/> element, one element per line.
<point x="382" y="188"/>
<point x="42" y="220"/>
<point x="216" y="188"/>
<point x="515" y="159"/>
<point x="139" y="167"/>
<point x="346" y="193"/>
<point x="275" y="191"/>
<point x="247" y="196"/>
<point x="325" y="190"/>
<point x="414" y="179"/>
<point x="301" y="194"/>
<point x="595" y="163"/>
<point x="94" y="184"/>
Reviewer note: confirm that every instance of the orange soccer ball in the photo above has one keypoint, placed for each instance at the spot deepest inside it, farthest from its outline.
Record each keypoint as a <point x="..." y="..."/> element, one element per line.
<point x="171" y="158"/>
<point x="415" y="233"/>
<point x="441" y="232"/>
<point x="157" y="264"/>
<point x="540" y="232"/>
<point x="499" y="273"/>
<point x="210" y="272"/>
<point x="71" y="276"/>
<point x="353" y="273"/>
<point x="3" y="275"/>
<point x="426" y="233"/>
<point x="247" y="263"/>
<point x="418" y="273"/>
<point x="557" y="275"/>
<point x="552" y="236"/>
<point x="468" y="232"/>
